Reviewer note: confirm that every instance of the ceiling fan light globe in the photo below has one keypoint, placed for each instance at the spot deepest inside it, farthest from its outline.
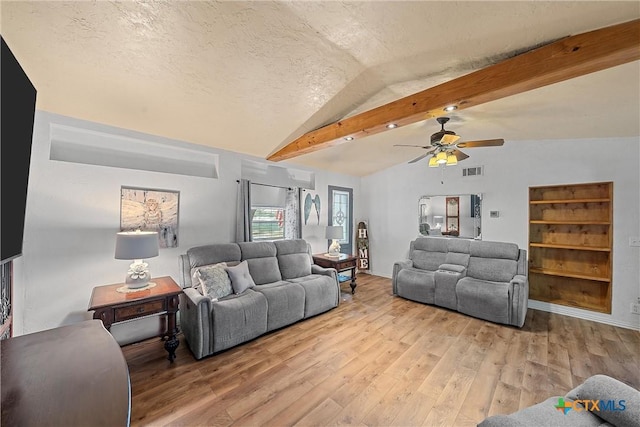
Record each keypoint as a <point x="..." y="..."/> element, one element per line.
<point x="452" y="160"/>
<point x="432" y="162"/>
<point x="441" y="157"/>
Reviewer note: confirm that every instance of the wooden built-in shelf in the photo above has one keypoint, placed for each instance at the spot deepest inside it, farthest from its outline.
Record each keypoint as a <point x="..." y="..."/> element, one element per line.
<point x="567" y="274"/>
<point x="573" y="247"/>
<point x="544" y="221"/>
<point x="565" y="201"/>
<point x="570" y="245"/>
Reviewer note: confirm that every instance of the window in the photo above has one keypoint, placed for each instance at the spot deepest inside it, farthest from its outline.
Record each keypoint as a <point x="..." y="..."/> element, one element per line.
<point x="340" y="213"/>
<point x="267" y="223"/>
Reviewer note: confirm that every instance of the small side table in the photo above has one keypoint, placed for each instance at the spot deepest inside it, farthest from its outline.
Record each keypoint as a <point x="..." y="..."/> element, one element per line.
<point x="344" y="262"/>
<point x="112" y="306"/>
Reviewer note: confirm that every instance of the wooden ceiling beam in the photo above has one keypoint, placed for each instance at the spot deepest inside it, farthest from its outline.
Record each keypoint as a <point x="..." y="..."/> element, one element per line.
<point x="565" y="59"/>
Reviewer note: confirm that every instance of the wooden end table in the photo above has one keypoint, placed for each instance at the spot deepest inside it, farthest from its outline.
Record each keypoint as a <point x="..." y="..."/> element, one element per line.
<point x="344" y="262"/>
<point x="112" y="306"/>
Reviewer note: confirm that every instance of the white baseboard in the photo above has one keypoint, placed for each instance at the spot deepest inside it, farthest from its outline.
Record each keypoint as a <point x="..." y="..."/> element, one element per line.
<point x="581" y="314"/>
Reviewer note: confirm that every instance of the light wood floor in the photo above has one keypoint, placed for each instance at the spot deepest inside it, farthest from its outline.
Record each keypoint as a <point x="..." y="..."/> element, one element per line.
<point x="379" y="360"/>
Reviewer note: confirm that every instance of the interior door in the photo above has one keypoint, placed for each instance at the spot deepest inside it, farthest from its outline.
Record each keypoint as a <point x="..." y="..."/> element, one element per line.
<point x="341" y="213"/>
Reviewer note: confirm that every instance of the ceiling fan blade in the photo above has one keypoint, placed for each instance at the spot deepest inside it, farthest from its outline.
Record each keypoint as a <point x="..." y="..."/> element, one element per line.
<point x="419" y="158"/>
<point x="449" y="139"/>
<point x="483" y="143"/>
<point x="409" y="145"/>
<point x="459" y="155"/>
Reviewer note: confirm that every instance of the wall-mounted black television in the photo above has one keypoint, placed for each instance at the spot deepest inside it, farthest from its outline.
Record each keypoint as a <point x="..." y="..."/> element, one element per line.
<point x="17" y="111"/>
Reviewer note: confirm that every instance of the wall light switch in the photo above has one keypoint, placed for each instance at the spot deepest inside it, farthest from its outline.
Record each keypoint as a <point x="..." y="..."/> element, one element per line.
<point x="634" y="241"/>
<point x="494" y="214"/>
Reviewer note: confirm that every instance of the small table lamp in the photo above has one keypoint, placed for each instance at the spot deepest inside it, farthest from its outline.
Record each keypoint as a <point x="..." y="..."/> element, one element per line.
<point x="136" y="246"/>
<point x="334" y="232"/>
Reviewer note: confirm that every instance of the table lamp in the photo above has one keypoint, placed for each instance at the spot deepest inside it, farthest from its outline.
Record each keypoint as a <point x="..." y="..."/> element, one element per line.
<point x="137" y="246"/>
<point x="334" y="232"/>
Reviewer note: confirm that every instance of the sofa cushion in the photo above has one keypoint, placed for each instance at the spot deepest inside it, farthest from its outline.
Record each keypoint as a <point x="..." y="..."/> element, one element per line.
<point x="427" y="260"/>
<point x="214" y="281"/>
<point x="213" y="254"/>
<point x="262" y="261"/>
<point x="321" y="293"/>
<point x="492" y="269"/>
<point x="483" y="299"/>
<point x="499" y="250"/>
<point x="241" y="280"/>
<point x="458" y="245"/>
<point x="427" y="253"/>
<point x="285" y="303"/>
<point x="457" y="258"/>
<point x="293" y="266"/>
<point x="416" y="284"/>
<point x="293" y="258"/>
<point x="238" y="318"/>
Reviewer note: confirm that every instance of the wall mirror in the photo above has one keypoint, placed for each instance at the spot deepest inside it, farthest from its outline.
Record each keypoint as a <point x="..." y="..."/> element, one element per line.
<point x="456" y="215"/>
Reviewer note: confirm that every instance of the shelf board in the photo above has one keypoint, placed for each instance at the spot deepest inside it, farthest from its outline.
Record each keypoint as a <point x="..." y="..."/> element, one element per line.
<point x="550" y="202"/>
<point x="568" y="274"/>
<point x="593" y="222"/>
<point x="583" y="306"/>
<point x="563" y="246"/>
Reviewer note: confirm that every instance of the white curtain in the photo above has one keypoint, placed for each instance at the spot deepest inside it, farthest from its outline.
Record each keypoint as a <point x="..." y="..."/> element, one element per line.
<point x="243" y="213"/>
<point x="292" y="224"/>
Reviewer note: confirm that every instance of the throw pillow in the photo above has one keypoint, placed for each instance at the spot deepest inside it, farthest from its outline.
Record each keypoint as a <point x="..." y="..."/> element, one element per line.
<point x="214" y="281"/>
<point x="241" y="280"/>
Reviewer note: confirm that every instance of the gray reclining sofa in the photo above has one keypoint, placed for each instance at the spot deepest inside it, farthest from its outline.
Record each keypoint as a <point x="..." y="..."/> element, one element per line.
<point x="289" y="288"/>
<point x="487" y="280"/>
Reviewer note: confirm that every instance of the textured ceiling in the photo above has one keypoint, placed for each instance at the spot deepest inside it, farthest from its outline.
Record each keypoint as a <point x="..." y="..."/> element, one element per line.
<point x="252" y="76"/>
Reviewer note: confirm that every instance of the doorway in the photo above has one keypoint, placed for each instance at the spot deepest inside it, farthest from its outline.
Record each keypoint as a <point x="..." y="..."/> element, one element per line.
<point x="341" y="213"/>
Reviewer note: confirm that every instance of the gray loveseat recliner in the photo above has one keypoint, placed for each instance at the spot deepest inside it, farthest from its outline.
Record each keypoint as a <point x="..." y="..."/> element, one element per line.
<point x="599" y="401"/>
<point x="289" y="288"/>
<point x="487" y="280"/>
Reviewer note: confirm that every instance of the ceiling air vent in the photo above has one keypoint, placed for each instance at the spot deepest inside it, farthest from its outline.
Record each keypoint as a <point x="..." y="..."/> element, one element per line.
<point x="474" y="171"/>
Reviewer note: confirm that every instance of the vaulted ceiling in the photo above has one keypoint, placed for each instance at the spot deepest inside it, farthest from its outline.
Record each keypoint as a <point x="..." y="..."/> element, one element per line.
<point x="253" y="76"/>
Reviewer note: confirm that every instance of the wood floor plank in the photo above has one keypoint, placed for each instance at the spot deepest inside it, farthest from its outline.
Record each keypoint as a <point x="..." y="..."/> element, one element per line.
<point x="450" y="401"/>
<point x="378" y="360"/>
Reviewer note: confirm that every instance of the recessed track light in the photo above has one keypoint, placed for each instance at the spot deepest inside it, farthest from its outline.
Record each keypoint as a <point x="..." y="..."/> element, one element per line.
<point x="349" y="138"/>
<point x="392" y="125"/>
<point x="451" y="108"/>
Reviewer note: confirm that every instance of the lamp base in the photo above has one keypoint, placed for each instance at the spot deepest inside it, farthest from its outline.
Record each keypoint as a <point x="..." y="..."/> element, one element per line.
<point x="334" y="249"/>
<point x="138" y="275"/>
<point x="136" y="283"/>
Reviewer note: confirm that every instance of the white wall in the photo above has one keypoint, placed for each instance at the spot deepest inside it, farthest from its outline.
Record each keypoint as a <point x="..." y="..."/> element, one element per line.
<point x="390" y="199"/>
<point x="73" y="214"/>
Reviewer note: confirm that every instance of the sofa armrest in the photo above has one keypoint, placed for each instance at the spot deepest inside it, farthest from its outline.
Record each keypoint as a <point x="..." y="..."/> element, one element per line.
<point x="520" y="299"/>
<point x="331" y="272"/>
<point x="196" y="321"/>
<point x="453" y="268"/>
<point x="397" y="266"/>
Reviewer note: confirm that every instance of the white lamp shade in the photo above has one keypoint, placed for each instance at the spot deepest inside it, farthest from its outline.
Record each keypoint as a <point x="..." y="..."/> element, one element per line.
<point x="334" y="232"/>
<point x="136" y="244"/>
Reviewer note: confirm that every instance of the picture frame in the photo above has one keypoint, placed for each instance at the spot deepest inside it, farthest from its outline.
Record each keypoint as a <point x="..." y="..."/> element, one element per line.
<point x="147" y="209"/>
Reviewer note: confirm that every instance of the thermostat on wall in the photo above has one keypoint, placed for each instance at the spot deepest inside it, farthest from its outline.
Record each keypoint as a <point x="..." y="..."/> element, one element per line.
<point x="494" y="214"/>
